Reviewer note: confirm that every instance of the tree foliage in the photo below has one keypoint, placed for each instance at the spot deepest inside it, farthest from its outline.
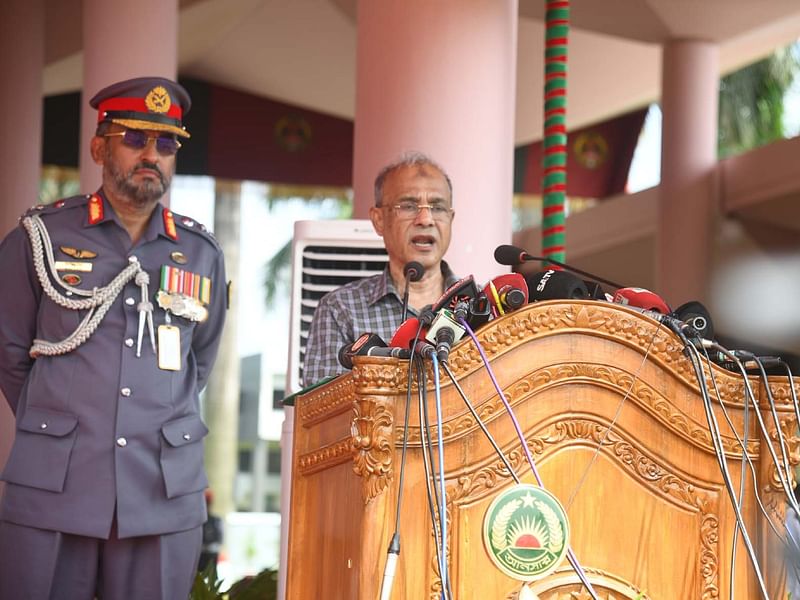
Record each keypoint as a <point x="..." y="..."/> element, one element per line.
<point x="751" y="102"/>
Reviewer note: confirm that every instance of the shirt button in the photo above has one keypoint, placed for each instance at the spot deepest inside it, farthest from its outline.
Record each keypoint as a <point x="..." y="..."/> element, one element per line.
<point x="125" y="392"/>
<point x="187" y="437"/>
<point x="130" y="301"/>
<point x="129" y="342"/>
<point x="43" y="426"/>
<point x="122" y="442"/>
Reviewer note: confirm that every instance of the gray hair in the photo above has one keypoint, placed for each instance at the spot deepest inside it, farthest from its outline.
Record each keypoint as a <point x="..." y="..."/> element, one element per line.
<point x="409" y="159"/>
<point x="102" y="128"/>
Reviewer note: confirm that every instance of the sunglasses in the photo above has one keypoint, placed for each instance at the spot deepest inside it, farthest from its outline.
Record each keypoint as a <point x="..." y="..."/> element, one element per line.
<point x="138" y="140"/>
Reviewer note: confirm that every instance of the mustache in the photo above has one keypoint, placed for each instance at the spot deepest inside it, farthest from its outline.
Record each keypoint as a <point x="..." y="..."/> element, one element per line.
<point x="153" y="167"/>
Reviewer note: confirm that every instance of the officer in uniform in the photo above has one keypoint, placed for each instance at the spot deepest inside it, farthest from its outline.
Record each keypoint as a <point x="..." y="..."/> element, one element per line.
<point x="112" y="308"/>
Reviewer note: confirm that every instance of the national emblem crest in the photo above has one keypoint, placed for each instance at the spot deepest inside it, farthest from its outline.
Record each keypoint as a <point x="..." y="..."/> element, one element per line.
<point x="526" y="532"/>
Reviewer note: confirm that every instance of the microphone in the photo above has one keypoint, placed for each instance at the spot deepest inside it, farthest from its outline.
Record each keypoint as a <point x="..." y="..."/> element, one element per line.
<point x="512" y="256"/>
<point x="506" y="292"/>
<point x="424" y="349"/>
<point x="369" y="344"/>
<point x="463" y="289"/>
<point x="444" y="332"/>
<point x="480" y="311"/>
<point x="748" y="360"/>
<point x="641" y="298"/>
<point x="413" y="271"/>
<point x="695" y="314"/>
<point x="555" y="285"/>
<point x="405" y="334"/>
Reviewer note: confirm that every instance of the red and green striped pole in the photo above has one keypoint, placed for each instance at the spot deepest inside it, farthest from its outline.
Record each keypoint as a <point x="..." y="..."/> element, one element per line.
<point x="554" y="181"/>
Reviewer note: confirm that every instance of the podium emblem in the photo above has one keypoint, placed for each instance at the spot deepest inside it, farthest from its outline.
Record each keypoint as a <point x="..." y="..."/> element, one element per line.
<point x="526" y="532"/>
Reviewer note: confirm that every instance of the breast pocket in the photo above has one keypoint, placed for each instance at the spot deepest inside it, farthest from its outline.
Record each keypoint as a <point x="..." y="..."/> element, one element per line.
<point x="42" y="449"/>
<point x="182" y="456"/>
<point x="56" y="323"/>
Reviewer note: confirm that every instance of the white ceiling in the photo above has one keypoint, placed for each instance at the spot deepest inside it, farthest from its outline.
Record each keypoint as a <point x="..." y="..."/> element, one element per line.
<point x="303" y="52"/>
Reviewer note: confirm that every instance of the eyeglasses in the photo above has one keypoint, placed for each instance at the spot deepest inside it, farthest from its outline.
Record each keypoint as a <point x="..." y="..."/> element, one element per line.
<point x="409" y="210"/>
<point x="138" y="140"/>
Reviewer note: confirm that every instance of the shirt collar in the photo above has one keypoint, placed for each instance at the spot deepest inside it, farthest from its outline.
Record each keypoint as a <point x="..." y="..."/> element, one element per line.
<point x="385" y="287"/>
<point x="156" y="226"/>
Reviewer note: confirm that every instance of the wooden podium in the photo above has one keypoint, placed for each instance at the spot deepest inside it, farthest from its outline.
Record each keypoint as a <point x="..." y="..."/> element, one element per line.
<point x="649" y="513"/>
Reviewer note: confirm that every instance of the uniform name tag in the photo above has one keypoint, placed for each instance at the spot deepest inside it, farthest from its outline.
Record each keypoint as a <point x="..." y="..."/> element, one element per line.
<point x="65" y="265"/>
<point x="169" y="348"/>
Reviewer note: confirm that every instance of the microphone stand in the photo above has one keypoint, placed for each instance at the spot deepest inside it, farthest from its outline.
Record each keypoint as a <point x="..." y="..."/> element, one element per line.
<point x="393" y="552"/>
<point x="542" y="259"/>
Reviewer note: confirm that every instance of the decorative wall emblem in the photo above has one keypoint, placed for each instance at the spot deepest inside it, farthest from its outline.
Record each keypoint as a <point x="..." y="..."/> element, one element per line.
<point x="293" y="133"/>
<point x="591" y="149"/>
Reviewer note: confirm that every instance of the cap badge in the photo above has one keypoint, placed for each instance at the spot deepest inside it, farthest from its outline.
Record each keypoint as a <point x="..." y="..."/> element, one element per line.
<point x="158" y="100"/>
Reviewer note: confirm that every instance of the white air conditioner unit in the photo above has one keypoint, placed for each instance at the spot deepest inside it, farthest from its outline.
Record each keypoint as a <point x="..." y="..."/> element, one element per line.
<point x="325" y="256"/>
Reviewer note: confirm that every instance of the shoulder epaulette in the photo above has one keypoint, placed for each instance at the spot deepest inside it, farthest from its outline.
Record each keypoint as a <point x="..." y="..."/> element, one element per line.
<point x="190" y="224"/>
<point x="58" y="205"/>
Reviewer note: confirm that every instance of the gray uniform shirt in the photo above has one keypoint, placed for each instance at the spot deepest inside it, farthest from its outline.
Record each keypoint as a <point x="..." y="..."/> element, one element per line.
<point x="369" y="305"/>
<point x="98" y="429"/>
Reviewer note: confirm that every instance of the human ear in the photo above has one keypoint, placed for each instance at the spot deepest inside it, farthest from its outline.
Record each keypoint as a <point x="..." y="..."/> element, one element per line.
<point x="376" y="216"/>
<point x="97" y="148"/>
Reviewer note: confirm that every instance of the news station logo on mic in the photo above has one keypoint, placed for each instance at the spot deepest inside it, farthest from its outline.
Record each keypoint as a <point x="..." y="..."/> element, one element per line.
<point x="526" y="532"/>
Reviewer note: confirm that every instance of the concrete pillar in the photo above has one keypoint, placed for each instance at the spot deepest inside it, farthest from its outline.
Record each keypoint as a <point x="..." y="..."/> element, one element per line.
<point x="223" y="390"/>
<point x="688" y="194"/>
<point x="21" y="62"/>
<point x="440" y="78"/>
<point x="122" y="40"/>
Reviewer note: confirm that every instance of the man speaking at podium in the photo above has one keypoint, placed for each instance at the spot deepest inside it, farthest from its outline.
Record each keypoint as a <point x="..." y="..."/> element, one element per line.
<point x="413" y="213"/>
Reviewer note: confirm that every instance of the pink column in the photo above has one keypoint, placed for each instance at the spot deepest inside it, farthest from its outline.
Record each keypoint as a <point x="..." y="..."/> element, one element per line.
<point x="439" y="77"/>
<point x="688" y="197"/>
<point x="121" y="40"/>
<point x="21" y="63"/>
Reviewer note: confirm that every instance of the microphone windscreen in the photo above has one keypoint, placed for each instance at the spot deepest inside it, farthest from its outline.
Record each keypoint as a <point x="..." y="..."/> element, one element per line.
<point x="405" y="334"/>
<point x="641" y="298"/>
<point x="506" y="254"/>
<point x="413" y="271"/>
<point x="511" y="289"/>
<point x="555" y="285"/>
<point x="462" y="290"/>
<point x="362" y="345"/>
<point x="596" y="291"/>
<point x="697" y="316"/>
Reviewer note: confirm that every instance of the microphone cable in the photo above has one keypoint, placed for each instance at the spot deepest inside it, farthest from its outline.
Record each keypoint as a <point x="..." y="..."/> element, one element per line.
<point x="393" y="552"/>
<point x="746" y="461"/>
<point x="693" y="355"/>
<point x="432" y="493"/>
<point x="437" y="392"/>
<point x="570" y="554"/>
<point x="778" y="430"/>
<point x="613" y="422"/>
<point x="481" y="424"/>
<point x="792" y="393"/>
<point x="762" y="426"/>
